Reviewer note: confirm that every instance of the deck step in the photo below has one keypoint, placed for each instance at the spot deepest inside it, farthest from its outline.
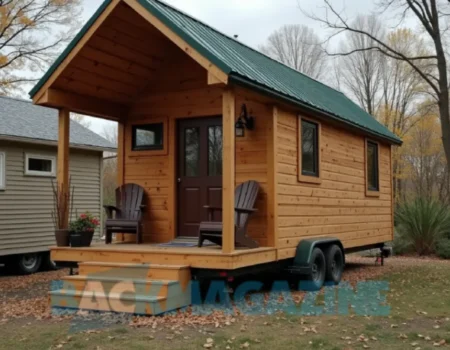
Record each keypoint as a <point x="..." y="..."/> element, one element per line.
<point x="136" y="271"/>
<point x="115" y="302"/>
<point x="145" y="289"/>
<point x="162" y="288"/>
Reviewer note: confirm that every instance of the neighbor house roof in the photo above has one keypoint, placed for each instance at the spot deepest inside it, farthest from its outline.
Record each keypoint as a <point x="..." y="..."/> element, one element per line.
<point x="251" y="68"/>
<point x="21" y="120"/>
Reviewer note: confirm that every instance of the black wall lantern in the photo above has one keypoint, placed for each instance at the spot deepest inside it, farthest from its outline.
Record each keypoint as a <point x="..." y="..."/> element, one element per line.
<point x="244" y="122"/>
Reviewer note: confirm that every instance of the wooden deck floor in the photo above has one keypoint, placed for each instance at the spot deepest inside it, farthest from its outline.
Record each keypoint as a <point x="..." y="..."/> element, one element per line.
<point x="205" y="257"/>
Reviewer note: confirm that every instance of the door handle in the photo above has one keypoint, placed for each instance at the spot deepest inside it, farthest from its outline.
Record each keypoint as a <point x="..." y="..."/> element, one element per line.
<point x="179" y="180"/>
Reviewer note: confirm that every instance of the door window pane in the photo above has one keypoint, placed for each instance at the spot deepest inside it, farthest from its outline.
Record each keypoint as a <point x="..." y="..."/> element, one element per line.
<point x="310" y="150"/>
<point x="192" y="152"/>
<point x="215" y="151"/>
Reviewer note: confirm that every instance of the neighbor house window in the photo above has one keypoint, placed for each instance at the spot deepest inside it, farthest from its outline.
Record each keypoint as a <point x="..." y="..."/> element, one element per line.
<point x="40" y="165"/>
<point x="309" y="150"/>
<point x="148" y="137"/>
<point x="2" y="170"/>
<point x="372" y="166"/>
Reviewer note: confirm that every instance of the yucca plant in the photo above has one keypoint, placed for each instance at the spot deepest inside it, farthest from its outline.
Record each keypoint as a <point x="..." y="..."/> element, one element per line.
<point x="421" y="224"/>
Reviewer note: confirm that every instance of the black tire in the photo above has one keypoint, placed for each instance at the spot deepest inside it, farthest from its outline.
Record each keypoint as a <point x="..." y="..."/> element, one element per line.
<point x="335" y="264"/>
<point x="47" y="263"/>
<point x="318" y="270"/>
<point x="26" y="264"/>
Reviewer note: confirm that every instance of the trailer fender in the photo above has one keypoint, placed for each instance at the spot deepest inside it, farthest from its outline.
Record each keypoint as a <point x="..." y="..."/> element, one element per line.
<point x="302" y="259"/>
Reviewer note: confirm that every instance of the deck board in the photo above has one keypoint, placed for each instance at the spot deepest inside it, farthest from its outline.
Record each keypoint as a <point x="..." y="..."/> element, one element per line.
<point x="206" y="257"/>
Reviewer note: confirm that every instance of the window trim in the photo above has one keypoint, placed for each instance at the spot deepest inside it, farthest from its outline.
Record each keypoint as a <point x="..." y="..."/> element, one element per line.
<point x="372" y="192"/>
<point x="302" y="177"/>
<point x="51" y="173"/>
<point x="146" y="152"/>
<point x="3" y="171"/>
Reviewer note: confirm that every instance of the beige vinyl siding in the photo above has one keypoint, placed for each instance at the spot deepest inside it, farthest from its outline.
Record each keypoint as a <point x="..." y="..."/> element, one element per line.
<point x="26" y="202"/>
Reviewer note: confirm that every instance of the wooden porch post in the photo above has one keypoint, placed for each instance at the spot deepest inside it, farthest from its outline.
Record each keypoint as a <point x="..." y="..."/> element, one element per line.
<point x="120" y="237"/>
<point x="120" y="153"/>
<point x="63" y="155"/>
<point x="228" y="166"/>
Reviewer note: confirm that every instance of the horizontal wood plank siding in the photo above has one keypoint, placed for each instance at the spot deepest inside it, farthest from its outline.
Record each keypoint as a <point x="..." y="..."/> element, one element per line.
<point x="27" y="202"/>
<point x="181" y="92"/>
<point x="338" y="206"/>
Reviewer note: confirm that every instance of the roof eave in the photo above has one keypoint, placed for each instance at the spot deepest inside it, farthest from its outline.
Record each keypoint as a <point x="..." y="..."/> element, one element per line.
<point x="68" y="49"/>
<point x="278" y="95"/>
<point x="55" y="143"/>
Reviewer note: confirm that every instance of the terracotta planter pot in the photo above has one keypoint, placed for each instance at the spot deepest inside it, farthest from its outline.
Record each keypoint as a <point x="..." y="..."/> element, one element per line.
<point x="62" y="238"/>
<point x="81" y="239"/>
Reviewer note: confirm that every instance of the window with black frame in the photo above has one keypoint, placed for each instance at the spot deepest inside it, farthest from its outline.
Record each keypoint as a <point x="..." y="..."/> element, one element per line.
<point x="372" y="166"/>
<point x="309" y="148"/>
<point x="148" y="137"/>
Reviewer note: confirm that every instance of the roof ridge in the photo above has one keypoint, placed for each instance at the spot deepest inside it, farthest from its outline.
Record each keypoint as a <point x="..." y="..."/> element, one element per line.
<point x="164" y="3"/>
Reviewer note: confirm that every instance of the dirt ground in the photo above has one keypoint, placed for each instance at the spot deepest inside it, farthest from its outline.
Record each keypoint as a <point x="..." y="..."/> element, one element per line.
<point x="418" y="296"/>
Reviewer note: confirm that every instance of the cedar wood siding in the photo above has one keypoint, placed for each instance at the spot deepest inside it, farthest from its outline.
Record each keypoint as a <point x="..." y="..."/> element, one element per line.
<point x="338" y="206"/>
<point x="183" y="93"/>
<point x="27" y="201"/>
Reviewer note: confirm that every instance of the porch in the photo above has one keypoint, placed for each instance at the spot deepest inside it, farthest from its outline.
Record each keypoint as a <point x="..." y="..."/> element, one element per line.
<point x="127" y="66"/>
<point x="211" y="257"/>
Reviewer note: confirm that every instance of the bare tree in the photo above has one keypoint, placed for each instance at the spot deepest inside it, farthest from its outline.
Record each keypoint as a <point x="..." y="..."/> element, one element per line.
<point x="298" y="47"/>
<point x="432" y="16"/>
<point x="402" y="86"/>
<point x="81" y="119"/>
<point x="32" y="33"/>
<point x="360" y="73"/>
<point x="109" y="166"/>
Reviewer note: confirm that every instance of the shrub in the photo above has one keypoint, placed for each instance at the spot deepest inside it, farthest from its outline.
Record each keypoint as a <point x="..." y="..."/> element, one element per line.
<point x="443" y="248"/>
<point x="421" y="224"/>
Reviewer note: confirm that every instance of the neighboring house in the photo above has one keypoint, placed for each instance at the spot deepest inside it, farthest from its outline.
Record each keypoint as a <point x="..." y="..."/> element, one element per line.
<point x="180" y="90"/>
<point x="28" y="164"/>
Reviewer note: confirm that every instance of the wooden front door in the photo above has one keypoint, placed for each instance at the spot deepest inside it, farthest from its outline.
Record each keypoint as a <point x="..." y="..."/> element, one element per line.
<point x="199" y="171"/>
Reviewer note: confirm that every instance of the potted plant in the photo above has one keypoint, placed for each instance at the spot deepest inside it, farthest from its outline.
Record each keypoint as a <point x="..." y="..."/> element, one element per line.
<point x="82" y="230"/>
<point x="62" y="209"/>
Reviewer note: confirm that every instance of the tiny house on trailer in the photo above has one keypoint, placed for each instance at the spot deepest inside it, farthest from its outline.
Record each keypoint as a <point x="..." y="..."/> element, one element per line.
<point x="28" y="164"/>
<point x="199" y="114"/>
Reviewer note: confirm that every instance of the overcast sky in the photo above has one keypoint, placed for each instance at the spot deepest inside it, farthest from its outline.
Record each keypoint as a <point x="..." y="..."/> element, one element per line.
<point x="252" y="20"/>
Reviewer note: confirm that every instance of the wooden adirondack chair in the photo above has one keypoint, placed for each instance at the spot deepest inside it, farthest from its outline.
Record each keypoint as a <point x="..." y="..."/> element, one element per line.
<point x="128" y="212"/>
<point x="245" y="198"/>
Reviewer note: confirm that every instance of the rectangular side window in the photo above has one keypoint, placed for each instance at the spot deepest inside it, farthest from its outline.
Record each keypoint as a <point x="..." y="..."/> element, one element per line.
<point x="372" y="166"/>
<point x="309" y="148"/>
<point x="40" y="165"/>
<point x="2" y="170"/>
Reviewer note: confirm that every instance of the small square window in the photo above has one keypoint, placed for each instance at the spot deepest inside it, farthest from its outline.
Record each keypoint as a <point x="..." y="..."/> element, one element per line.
<point x="148" y="137"/>
<point x="38" y="165"/>
<point x="372" y="166"/>
<point x="310" y="148"/>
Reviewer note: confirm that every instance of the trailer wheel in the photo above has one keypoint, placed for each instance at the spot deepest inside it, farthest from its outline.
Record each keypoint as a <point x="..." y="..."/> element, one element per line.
<point x="318" y="269"/>
<point x="26" y="264"/>
<point x="335" y="264"/>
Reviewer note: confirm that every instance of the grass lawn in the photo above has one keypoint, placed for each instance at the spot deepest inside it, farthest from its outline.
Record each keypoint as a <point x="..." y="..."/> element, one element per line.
<point x="419" y="298"/>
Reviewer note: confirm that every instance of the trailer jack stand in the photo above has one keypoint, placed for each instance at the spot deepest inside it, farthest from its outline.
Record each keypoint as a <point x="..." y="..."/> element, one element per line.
<point x="384" y="253"/>
<point x="379" y="259"/>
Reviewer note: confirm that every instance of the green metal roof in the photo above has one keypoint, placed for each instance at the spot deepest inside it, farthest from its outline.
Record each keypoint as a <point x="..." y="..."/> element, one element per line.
<point x="253" y="69"/>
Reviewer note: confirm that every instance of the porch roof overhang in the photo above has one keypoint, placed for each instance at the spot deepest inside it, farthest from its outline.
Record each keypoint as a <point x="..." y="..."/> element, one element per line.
<point x="46" y="93"/>
<point x="226" y="60"/>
